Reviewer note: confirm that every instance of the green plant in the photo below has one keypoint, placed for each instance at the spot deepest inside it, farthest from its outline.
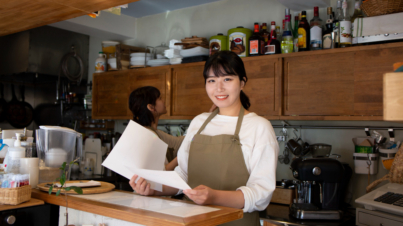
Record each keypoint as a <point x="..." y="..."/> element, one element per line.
<point x="63" y="185"/>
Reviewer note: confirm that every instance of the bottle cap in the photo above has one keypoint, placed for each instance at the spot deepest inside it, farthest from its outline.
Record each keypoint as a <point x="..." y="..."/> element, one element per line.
<point x="273" y="23"/>
<point x="287" y="11"/>
<point x="219" y="34"/>
<point x="329" y="10"/>
<point x="303" y="13"/>
<point x="339" y="4"/>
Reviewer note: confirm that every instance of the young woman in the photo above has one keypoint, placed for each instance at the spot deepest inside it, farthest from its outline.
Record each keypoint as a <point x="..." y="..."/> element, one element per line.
<point x="147" y="106"/>
<point x="228" y="157"/>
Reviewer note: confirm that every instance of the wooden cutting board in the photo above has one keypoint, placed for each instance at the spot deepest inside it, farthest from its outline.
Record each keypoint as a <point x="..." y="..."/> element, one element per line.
<point x="105" y="187"/>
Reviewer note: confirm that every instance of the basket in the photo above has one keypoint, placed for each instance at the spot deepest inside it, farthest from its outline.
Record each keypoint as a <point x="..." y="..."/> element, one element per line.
<point x="381" y="7"/>
<point x="15" y="196"/>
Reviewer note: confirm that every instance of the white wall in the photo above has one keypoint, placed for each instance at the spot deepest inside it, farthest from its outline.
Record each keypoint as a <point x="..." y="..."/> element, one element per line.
<point x="218" y="17"/>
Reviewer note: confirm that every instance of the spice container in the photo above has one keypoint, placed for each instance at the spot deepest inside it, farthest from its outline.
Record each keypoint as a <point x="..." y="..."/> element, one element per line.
<point x="217" y="43"/>
<point x="238" y="40"/>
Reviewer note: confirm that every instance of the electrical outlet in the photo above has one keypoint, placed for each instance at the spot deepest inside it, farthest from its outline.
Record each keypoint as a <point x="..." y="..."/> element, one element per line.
<point x="280" y="138"/>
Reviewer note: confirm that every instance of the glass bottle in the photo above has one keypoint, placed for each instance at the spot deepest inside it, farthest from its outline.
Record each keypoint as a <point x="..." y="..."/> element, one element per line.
<point x="265" y="33"/>
<point x="273" y="46"/>
<point x="256" y="42"/>
<point x="345" y="27"/>
<point x="304" y="35"/>
<point x="278" y="31"/>
<point x="357" y="14"/>
<point x="316" y="30"/>
<point x="295" y="33"/>
<point x="336" y="24"/>
<point x="328" y="34"/>
<point x="287" y="43"/>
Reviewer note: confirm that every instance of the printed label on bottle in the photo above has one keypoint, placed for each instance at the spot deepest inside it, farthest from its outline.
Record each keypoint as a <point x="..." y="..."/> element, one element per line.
<point x="215" y="46"/>
<point x="270" y="49"/>
<point x="254" y="47"/>
<point x="237" y="42"/>
<point x="316" y="36"/>
<point x="327" y="41"/>
<point x="357" y="5"/>
<point x="345" y="32"/>
<point x="301" y="38"/>
<point x="100" y="66"/>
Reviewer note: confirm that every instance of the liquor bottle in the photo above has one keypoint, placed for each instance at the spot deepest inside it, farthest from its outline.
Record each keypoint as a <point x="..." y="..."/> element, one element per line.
<point x="273" y="46"/>
<point x="336" y="24"/>
<point x="287" y="42"/>
<point x="278" y="31"/>
<point x="316" y="30"/>
<point x="256" y="42"/>
<point x="345" y="27"/>
<point x="295" y="33"/>
<point x="357" y="14"/>
<point x="264" y="33"/>
<point x="328" y="34"/>
<point x="304" y="35"/>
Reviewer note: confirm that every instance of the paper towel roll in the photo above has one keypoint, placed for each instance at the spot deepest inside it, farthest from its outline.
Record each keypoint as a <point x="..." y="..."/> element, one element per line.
<point x="30" y="166"/>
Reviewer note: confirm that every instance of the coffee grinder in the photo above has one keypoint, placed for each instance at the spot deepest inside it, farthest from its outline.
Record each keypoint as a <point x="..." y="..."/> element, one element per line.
<point x="321" y="184"/>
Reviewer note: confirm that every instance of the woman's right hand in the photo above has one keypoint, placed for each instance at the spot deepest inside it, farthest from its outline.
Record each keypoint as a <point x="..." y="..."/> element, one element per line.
<point x="142" y="187"/>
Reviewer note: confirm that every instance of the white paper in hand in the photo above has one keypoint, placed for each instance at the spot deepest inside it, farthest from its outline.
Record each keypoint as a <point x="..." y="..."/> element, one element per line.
<point x="138" y="147"/>
<point x="169" y="178"/>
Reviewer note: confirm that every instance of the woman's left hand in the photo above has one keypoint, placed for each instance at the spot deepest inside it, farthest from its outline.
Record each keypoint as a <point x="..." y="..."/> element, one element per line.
<point x="201" y="195"/>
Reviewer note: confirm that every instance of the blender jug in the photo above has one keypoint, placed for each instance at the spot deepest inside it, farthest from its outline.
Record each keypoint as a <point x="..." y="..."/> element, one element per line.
<point x="56" y="145"/>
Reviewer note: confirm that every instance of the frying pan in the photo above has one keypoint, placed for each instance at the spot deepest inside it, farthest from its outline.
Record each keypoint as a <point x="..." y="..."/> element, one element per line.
<point x="3" y="104"/>
<point x="19" y="113"/>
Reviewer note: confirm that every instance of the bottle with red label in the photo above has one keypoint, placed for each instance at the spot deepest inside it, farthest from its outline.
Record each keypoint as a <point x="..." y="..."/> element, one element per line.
<point x="256" y="42"/>
<point x="273" y="45"/>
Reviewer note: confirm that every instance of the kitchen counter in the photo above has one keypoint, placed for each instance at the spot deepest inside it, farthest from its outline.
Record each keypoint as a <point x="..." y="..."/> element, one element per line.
<point x="144" y="210"/>
<point x="276" y="214"/>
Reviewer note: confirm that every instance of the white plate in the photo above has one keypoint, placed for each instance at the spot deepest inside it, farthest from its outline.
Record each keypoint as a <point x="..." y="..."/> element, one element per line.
<point x="156" y="61"/>
<point x="196" y="51"/>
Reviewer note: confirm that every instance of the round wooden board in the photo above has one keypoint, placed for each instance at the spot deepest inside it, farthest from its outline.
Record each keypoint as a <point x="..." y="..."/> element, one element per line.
<point x="105" y="187"/>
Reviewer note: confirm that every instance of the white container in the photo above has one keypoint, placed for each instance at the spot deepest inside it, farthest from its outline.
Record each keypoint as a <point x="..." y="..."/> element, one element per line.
<point x="12" y="160"/>
<point x="100" y="63"/>
<point x="361" y="163"/>
<point x="30" y="166"/>
<point x="387" y="154"/>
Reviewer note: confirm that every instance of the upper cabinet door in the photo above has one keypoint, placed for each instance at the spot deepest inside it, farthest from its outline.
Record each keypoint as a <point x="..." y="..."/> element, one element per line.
<point x="320" y="84"/>
<point x="109" y="95"/>
<point x="189" y="97"/>
<point x="264" y="85"/>
<point x="156" y="77"/>
<point x="369" y="67"/>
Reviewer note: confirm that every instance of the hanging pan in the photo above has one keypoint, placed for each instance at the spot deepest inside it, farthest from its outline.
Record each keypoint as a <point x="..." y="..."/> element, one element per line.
<point x="19" y="113"/>
<point x="3" y="104"/>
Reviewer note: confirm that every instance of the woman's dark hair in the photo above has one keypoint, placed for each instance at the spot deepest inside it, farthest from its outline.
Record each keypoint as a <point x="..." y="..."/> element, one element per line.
<point x="227" y="63"/>
<point x="138" y="101"/>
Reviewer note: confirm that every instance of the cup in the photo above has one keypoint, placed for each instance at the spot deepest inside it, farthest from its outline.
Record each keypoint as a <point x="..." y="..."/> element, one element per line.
<point x="30" y="166"/>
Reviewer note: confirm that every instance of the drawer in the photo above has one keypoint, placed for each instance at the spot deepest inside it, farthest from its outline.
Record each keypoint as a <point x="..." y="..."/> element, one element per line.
<point x="376" y="220"/>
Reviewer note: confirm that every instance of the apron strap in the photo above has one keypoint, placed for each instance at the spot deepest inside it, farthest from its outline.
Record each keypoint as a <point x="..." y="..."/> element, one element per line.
<point x="212" y="115"/>
<point x="239" y="123"/>
<point x="215" y="112"/>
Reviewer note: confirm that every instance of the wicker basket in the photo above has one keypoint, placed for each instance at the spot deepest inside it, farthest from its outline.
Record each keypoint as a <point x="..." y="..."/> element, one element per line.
<point x="381" y="7"/>
<point x="15" y="196"/>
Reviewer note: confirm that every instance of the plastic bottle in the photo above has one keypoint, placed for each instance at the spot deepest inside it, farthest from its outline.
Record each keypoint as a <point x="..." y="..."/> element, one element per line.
<point x="100" y="63"/>
<point x="12" y="160"/>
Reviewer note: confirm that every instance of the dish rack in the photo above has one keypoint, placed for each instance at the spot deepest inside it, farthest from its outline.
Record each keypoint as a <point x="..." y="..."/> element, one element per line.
<point x="15" y="196"/>
<point x="381" y="7"/>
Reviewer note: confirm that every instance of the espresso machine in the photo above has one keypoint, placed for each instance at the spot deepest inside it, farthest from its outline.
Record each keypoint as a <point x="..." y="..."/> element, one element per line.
<point x="321" y="184"/>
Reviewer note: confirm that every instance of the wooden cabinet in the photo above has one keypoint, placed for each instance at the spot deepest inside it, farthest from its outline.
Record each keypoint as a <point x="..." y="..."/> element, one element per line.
<point x="318" y="85"/>
<point x="264" y="85"/>
<point x="189" y="97"/>
<point x="338" y="84"/>
<point x="110" y="95"/>
<point x="155" y="76"/>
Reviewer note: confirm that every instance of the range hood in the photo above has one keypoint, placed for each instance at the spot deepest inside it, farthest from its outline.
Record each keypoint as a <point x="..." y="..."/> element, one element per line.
<point x="41" y="50"/>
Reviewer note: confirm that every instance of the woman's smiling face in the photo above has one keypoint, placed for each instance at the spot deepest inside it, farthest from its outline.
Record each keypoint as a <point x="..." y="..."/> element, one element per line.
<point x="224" y="90"/>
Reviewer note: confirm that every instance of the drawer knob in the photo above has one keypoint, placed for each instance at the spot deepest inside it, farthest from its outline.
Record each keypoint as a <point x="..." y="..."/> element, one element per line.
<point x="11" y="219"/>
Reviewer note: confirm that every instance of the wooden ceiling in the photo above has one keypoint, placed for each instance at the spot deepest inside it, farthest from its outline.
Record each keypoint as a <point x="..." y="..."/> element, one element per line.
<point x="21" y="15"/>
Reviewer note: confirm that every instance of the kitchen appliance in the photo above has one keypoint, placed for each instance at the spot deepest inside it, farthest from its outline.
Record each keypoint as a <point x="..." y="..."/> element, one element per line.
<point x="56" y="145"/>
<point x="320" y="150"/>
<point x="321" y="183"/>
<point x="387" y="198"/>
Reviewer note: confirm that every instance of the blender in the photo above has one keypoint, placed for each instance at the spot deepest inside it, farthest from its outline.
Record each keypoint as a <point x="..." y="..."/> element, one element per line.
<point x="56" y="145"/>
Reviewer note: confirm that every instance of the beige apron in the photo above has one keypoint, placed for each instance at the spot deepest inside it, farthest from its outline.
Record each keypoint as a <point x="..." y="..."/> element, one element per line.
<point x="217" y="162"/>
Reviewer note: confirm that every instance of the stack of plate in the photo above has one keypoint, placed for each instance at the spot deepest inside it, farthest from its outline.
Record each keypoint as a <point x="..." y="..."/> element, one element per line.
<point x="158" y="62"/>
<point x="138" y="59"/>
<point x="196" y="51"/>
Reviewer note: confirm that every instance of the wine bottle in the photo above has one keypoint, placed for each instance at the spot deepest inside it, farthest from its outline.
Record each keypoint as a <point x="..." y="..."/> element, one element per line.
<point x="273" y="46"/>
<point x="316" y="30"/>
<point x="328" y="34"/>
<point x="345" y="26"/>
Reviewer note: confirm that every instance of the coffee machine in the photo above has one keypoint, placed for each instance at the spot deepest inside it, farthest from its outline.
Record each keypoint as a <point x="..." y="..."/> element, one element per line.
<point x="321" y="184"/>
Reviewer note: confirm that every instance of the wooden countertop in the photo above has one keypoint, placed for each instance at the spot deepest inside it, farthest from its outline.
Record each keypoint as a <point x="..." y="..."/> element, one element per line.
<point x="31" y="202"/>
<point x="140" y="216"/>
